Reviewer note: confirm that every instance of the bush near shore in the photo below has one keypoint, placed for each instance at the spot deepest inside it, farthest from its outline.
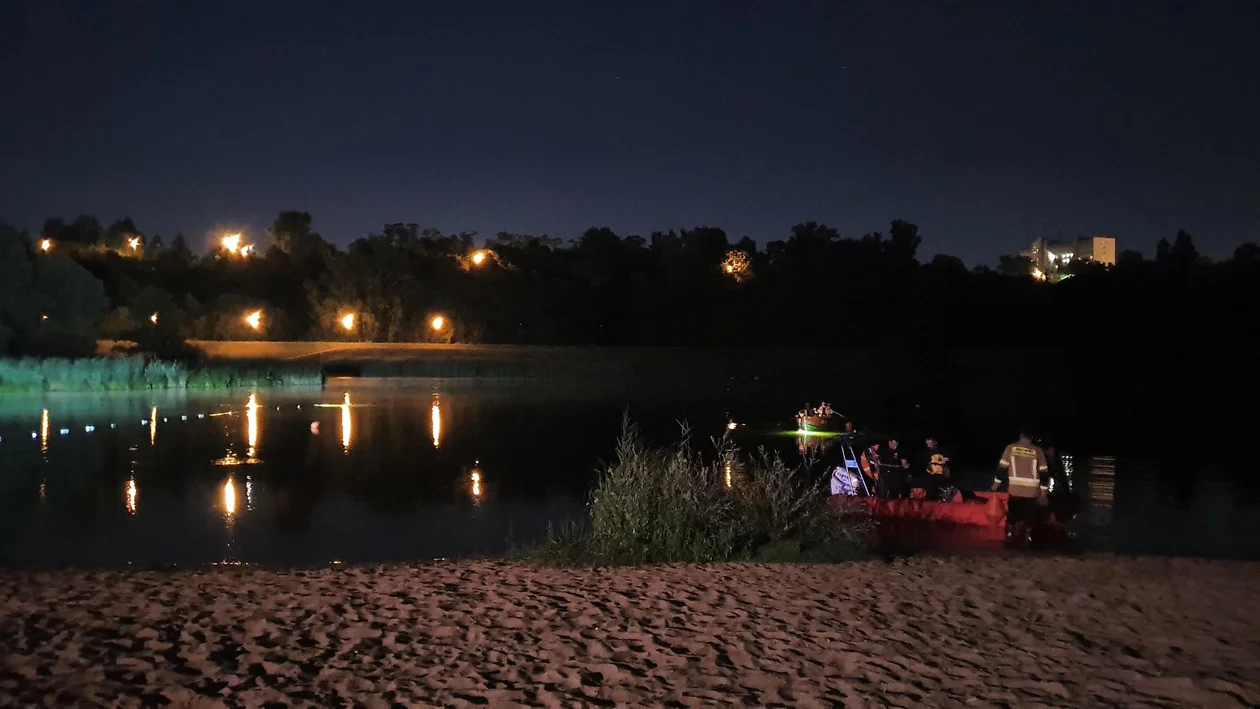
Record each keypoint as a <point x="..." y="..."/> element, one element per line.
<point x="667" y="504"/>
<point x="139" y="373"/>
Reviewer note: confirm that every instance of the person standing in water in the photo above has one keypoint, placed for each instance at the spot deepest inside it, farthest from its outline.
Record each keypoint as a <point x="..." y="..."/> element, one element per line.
<point x="1024" y="464"/>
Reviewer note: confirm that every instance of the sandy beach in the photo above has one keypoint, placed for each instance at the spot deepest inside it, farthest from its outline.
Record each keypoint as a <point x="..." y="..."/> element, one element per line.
<point x="960" y="632"/>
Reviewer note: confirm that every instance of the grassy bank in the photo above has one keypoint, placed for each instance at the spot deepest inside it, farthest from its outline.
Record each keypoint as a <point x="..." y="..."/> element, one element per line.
<point x="657" y="504"/>
<point x="141" y="373"/>
<point x="684" y="366"/>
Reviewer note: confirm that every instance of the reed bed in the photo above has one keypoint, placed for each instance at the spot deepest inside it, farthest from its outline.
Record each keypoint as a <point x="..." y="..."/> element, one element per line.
<point x="140" y="373"/>
<point x="669" y="504"/>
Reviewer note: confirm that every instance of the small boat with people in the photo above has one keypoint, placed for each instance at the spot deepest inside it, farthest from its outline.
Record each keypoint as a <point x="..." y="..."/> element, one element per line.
<point x="819" y="419"/>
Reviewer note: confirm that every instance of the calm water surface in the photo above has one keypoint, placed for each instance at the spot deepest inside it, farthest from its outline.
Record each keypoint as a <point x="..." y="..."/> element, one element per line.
<point x="384" y="470"/>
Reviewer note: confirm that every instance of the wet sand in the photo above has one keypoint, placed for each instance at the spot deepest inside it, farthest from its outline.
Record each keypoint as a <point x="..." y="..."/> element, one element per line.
<point x="962" y="632"/>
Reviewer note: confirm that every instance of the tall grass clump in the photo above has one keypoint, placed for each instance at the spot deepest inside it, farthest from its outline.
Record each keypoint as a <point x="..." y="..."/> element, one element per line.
<point x="656" y="504"/>
<point x="31" y="374"/>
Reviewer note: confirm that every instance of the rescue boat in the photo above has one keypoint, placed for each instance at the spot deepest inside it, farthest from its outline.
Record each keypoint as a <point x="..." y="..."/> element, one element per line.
<point x="955" y="524"/>
<point x="813" y="423"/>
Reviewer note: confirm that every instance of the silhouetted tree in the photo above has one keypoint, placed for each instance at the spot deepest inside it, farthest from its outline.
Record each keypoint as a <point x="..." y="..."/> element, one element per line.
<point x="1129" y="257"/>
<point x="1183" y="250"/>
<point x="1163" y="251"/>
<point x="1014" y="265"/>
<point x="903" y="240"/>
<point x="116" y="235"/>
<point x="292" y="234"/>
<point x="673" y="288"/>
<point x="179" y="246"/>
<point x="1247" y="254"/>
<point x="17" y="314"/>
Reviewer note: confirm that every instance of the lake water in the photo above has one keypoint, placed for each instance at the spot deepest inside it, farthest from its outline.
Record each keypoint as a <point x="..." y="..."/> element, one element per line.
<point x="387" y="470"/>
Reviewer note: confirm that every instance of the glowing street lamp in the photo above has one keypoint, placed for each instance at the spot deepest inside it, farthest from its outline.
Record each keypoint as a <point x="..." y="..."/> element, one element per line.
<point x="478" y="258"/>
<point x="232" y="244"/>
<point x="437" y="323"/>
<point x="45" y="245"/>
<point x="134" y="243"/>
<point x="254" y="319"/>
<point x="737" y="265"/>
<point x="153" y="318"/>
<point x="347" y="322"/>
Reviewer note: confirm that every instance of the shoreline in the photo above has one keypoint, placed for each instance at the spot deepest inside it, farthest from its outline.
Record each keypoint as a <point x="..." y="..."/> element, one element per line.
<point x="137" y="372"/>
<point x="936" y="631"/>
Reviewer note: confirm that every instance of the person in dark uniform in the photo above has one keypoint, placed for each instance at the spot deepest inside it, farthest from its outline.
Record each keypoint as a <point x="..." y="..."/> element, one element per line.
<point x="894" y="471"/>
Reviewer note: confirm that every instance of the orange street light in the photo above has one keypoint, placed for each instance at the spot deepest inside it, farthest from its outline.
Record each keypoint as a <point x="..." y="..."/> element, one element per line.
<point x="347" y="322"/>
<point x="737" y="265"/>
<point x="134" y="243"/>
<point x="153" y="318"/>
<point x="45" y="245"/>
<point x="438" y="322"/>
<point x="232" y="244"/>
<point x="254" y="319"/>
<point x="478" y="258"/>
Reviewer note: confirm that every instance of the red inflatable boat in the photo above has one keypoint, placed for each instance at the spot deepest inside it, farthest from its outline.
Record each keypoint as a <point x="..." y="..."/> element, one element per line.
<point x="931" y="524"/>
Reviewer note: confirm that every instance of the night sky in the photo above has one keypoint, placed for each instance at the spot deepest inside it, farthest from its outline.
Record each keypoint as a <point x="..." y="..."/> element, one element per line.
<point x="987" y="123"/>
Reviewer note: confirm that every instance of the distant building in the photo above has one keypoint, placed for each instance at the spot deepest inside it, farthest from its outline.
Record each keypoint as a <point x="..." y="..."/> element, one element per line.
<point x="1050" y="257"/>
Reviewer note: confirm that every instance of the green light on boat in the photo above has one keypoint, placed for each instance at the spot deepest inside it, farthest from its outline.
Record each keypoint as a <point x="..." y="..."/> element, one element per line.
<point x="819" y="434"/>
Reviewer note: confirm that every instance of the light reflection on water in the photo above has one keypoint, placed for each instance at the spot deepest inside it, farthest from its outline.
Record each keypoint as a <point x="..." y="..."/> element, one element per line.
<point x="251" y="427"/>
<point x="435" y="417"/>
<point x="131" y="494"/>
<point x="378" y="491"/>
<point x="43" y="431"/>
<point x="229" y="497"/>
<point x="347" y="425"/>
<point x="1102" y="490"/>
<point x="475" y="479"/>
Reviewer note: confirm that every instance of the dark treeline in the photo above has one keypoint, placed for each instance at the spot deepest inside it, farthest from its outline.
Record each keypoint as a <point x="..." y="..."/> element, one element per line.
<point x="693" y="287"/>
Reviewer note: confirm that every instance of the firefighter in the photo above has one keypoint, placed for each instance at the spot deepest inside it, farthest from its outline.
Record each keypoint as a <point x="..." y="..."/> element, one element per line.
<point x="1024" y="465"/>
